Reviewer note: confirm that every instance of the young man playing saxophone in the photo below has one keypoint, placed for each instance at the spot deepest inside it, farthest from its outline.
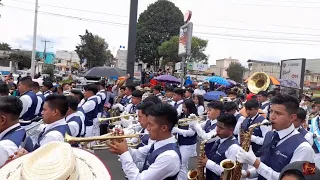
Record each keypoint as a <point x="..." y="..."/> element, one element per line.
<point x="224" y="148"/>
<point x="282" y="146"/>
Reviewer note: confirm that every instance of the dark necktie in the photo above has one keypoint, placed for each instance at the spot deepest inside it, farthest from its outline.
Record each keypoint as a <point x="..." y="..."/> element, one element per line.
<point x="215" y="147"/>
<point x="175" y="104"/>
<point x="275" y="140"/>
<point x="249" y="122"/>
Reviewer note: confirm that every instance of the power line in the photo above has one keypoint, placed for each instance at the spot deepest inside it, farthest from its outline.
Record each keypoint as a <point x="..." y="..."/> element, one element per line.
<point x="278" y="6"/>
<point x="70" y="17"/>
<point x="303" y="2"/>
<point x="94" y="12"/>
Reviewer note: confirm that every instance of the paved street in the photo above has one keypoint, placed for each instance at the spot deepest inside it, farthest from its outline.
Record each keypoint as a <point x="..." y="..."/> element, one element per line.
<point x="114" y="166"/>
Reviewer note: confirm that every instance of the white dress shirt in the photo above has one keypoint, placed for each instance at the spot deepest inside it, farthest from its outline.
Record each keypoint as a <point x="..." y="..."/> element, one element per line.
<point x="179" y="108"/>
<point x="230" y="153"/>
<point x="200" y="110"/>
<point x="128" y="108"/>
<point x="202" y="133"/>
<point x="102" y="94"/>
<point x="74" y="126"/>
<point x="53" y="135"/>
<point x="308" y="136"/>
<point x="237" y="129"/>
<point x="39" y="103"/>
<point x="26" y="104"/>
<point x="266" y="109"/>
<point x="304" y="152"/>
<point x="167" y="164"/>
<point x="47" y="93"/>
<point x="7" y="147"/>
<point x="199" y="92"/>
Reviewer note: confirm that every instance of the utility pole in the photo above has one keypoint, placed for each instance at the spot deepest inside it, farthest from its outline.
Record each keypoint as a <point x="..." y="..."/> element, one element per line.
<point x="45" y="49"/>
<point x="33" y="58"/>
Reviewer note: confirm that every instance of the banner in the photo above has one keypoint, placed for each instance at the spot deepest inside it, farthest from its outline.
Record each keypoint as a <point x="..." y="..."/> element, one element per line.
<point x="293" y="70"/>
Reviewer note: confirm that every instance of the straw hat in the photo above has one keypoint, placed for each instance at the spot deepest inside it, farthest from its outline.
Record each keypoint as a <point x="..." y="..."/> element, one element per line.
<point x="56" y="160"/>
<point x="147" y="89"/>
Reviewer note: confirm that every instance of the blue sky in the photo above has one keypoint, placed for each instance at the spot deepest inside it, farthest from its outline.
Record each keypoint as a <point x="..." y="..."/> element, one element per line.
<point x="268" y="30"/>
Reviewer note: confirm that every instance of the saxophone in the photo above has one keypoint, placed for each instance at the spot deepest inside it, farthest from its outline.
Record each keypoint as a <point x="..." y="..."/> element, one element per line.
<point x="198" y="174"/>
<point x="245" y="142"/>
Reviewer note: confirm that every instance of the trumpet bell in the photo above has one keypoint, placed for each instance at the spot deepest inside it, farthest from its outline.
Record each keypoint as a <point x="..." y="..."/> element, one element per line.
<point x="259" y="81"/>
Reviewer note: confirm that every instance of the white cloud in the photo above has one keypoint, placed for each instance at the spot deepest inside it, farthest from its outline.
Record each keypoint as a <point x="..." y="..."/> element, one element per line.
<point x="17" y="26"/>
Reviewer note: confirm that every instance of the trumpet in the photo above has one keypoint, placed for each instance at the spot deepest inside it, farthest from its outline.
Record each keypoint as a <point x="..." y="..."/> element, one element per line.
<point x="102" y="140"/>
<point x="185" y="121"/>
<point x="116" y="118"/>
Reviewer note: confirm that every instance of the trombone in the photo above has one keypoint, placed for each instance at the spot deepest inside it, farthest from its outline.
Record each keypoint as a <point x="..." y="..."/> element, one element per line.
<point x="103" y="140"/>
<point x="116" y="118"/>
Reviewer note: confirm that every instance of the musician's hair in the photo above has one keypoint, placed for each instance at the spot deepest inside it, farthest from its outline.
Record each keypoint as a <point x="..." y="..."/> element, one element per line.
<point x="131" y="88"/>
<point x="77" y="93"/>
<point x="165" y="114"/>
<point x="153" y="99"/>
<point x="157" y="87"/>
<point x="58" y="102"/>
<point x="47" y="84"/>
<point x="169" y="89"/>
<point x="11" y="105"/>
<point x="191" y="91"/>
<point x="91" y="87"/>
<point x="27" y="81"/>
<point x="293" y="173"/>
<point x="191" y="107"/>
<point x="301" y="114"/>
<point x="230" y="106"/>
<point x="229" y="120"/>
<point x="4" y="89"/>
<point x="137" y="93"/>
<point x="122" y="88"/>
<point x="263" y="93"/>
<point x="72" y="102"/>
<point x="144" y="106"/>
<point x="178" y="91"/>
<point x="200" y="99"/>
<point x="290" y="102"/>
<point x="35" y="85"/>
<point x="215" y="105"/>
<point x="252" y="104"/>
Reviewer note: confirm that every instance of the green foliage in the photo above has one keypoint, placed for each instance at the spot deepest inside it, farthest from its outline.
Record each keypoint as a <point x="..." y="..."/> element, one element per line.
<point x="23" y="58"/>
<point x="48" y="69"/>
<point x="169" y="50"/>
<point x="157" y="24"/>
<point x="94" y="49"/>
<point x="235" y="71"/>
<point x="5" y="46"/>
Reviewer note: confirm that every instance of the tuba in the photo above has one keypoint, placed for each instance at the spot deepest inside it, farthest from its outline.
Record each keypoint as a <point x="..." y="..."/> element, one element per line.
<point x="259" y="81"/>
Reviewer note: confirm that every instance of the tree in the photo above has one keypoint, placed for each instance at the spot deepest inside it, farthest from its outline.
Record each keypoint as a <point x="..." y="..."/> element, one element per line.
<point x="23" y="58"/>
<point x="235" y="71"/>
<point x="157" y="24"/>
<point x="169" y="50"/>
<point x="49" y="69"/>
<point x="94" y="49"/>
<point x="5" y="46"/>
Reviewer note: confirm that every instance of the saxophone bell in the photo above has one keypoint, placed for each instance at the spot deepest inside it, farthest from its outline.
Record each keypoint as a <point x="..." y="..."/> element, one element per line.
<point x="228" y="166"/>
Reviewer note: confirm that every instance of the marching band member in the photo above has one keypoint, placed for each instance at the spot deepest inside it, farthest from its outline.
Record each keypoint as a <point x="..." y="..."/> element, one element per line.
<point x="74" y="119"/>
<point x="178" y="100"/>
<point x="162" y="158"/>
<point x="128" y="94"/>
<point x="252" y="108"/>
<point x="314" y="128"/>
<point x="28" y="97"/>
<point x="207" y="129"/>
<point x="301" y="118"/>
<point x="187" y="138"/>
<point x="157" y="92"/>
<point x="188" y="93"/>
<point x="231" y="108"/>
<point x="199" y="102"/>
<point x="103" y="96"/>
<point x="54" y="111"/>
<point x="4" y="89"/>
<point x="168" y="95"/>
<point x="264" y="102"/>
<point x="224" y="148"/>
<point x="78" y="94"/>
<point x="136" y="99"/>
<point x="12" y="136"/>
<point x="90" y="109"/>
<point x="46" y="88"/>
<point x="282" y="146"/>
<point x="40" y="97"/>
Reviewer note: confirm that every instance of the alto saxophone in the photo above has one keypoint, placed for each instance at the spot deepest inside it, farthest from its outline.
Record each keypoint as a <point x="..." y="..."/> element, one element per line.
<point x="245" y="142"/>
<point x="198" y="174"/>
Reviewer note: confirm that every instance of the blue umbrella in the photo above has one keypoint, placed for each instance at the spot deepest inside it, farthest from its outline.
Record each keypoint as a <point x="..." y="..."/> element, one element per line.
<point x="289" y="83"/>
<point x="218" y="80"/>
<point x="214" y="95"/>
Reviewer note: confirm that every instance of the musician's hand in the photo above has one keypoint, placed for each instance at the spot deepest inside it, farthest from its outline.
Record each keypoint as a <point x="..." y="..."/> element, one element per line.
<point x="244" y="174"/>
<point x="116" y="147"/>
<point x="246" y="157"/>
<point x="19" y="153"/>
<point x="202" y="161"/>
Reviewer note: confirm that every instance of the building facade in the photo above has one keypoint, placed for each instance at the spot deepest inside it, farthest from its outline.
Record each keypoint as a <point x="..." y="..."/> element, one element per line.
<point x="64" y="60"/>
<point x="222" y="65"/>
<point x="270" y="68"/>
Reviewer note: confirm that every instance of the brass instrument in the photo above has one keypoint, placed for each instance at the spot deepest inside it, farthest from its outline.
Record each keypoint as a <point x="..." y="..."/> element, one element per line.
<point x="245" y="142"/>
<point x="185" y="121"/>
<point x="228" y="169"/>
<point x="103" y="140"/>
<point x="117" y="118"/>
<point x="259" y="81"/>
<point x="198" y="174"/>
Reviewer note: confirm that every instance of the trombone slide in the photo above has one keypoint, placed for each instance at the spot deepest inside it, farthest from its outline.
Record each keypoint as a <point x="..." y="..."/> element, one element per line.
<point x="116" y="117"/>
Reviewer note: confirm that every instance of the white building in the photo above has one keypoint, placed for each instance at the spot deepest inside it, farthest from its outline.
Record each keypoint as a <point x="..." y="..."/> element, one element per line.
<point x="65" y="59"/>
<point x="270" y="68"/>
<point x="222" y="65"/>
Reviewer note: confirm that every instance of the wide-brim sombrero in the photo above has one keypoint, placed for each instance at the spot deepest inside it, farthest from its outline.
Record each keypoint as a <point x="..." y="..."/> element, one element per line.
<point x="89" y="166"/>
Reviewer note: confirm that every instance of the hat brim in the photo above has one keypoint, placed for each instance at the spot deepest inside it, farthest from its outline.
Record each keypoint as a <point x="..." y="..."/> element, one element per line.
<point x="89" y="167"/>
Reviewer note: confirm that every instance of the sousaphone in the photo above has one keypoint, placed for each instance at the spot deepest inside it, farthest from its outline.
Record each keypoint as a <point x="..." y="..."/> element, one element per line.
<point x="259" y="81"/>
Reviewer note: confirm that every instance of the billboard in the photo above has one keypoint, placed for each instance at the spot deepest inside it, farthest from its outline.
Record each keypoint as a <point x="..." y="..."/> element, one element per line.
<point x="293" y="70"/>
<point x="185" y="39"/>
